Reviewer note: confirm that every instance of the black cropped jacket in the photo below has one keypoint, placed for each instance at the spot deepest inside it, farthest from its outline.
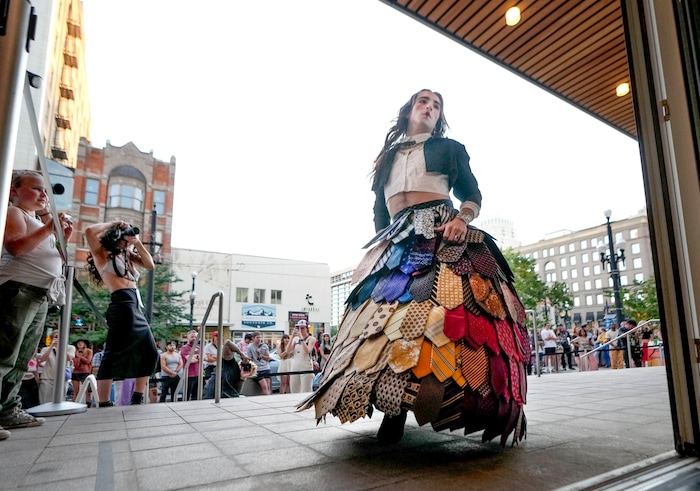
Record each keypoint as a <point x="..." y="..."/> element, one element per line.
<point x="442" y="155"/>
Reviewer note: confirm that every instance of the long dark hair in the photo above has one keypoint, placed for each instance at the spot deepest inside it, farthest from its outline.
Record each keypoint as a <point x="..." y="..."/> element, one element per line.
<point x="110" y="243"/>
<point x="401" y="125"/>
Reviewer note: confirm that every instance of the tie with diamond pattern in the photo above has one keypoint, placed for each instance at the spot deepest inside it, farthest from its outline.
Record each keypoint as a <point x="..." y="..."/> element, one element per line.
<point x="413" y="324"/>
<point x="448" y="290"/>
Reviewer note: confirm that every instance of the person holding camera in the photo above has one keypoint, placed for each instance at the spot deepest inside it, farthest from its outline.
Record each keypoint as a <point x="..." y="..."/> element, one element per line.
<point x="82" y="367"/>
<point x="302" y="347"/>
<point x="31" y="277"/>
<point x="130" y="351"/>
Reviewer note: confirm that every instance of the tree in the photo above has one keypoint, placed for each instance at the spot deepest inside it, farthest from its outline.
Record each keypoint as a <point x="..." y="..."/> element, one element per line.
<point x="531" y="289"/>
<point x="640" y="301"/>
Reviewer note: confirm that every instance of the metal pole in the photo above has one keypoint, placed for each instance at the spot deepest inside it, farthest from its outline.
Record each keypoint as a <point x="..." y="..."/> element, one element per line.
<point x="16" y="30"/>
<point x="615" y="273"/>
<point x="152" y="273"/>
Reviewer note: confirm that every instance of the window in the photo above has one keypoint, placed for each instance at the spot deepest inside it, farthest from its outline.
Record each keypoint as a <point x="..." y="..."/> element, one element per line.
<point x="536" y="268"/>
<point x="597" y="269"/>
<point x="637" y="263"/>
<point x="572" y="247"/>
<point x="577" y="302"/>
<point x="599" y="299"/>
<point x="572" y="260"/>
<point x="562" y="262"/>
<point x="584" y="244"/>
<point x="159" y="201"/>
<point x="534" y="255"/>
<point x="636" y="248"/>
<point x="595" y="256"/>
<point x="574" y="273"/>
<point x="241" y="294"/>
<point x="618" y="238"/>
<point x="623" y="280"/>
<point x="610" y="282"/>
<point x="544" y="253"/>
<point x="551" y="251"/>
<point x="562" y="249"/>
<point x="574" y="286"/>
<point x="276" y="296"/>
<point x="598" y="284"/>
<point x="92" y="189"/>
<point x="587" y="285"/>
<point x="586" y="271"/>
<point x="589" y="299"/>
<point x="564" y="275"/>
<point x="634" y="233"/>
<point x="584" y="257"/>
<point x="259" y="295"/>
<point x="639" y="277"/>
<point x="125" y="196"/>
<point x="551" y="277"/>
<point x="594" y="242"/>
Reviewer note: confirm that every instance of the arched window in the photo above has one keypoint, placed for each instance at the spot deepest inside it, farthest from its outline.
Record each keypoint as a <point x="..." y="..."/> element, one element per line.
<point x="127" y="187"/>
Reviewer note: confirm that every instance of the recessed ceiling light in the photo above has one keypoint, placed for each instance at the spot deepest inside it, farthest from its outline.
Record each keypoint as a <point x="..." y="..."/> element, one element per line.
<point x="512" y="16"/>
<point x="622" y="89"/>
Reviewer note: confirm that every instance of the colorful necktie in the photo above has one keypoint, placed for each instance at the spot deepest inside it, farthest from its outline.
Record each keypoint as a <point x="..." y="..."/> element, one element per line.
<point x="448" y="288"/>
<point x="434" y="327"/>
<point x="443" y="362"/>
<point x="404" y="354"/>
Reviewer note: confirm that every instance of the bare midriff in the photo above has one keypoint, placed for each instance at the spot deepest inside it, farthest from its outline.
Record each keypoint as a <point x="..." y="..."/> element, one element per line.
<point x="410" y="198"/>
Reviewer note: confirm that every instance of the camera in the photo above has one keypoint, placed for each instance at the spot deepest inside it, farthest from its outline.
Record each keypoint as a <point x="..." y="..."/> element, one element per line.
<point x="131" y="231"/>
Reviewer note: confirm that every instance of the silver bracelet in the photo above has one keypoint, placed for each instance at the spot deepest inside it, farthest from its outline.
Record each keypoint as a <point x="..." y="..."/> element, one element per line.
<point x="465" y="218"/>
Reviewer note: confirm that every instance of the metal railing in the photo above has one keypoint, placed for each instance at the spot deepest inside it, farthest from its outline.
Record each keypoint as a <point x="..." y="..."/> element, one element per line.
<point x="219" y="354"/>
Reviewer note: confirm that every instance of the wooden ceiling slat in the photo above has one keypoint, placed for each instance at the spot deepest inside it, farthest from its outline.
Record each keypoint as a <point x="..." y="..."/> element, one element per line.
<point x="549" y="37"/>
<point x="570" y="57"/>
<point x="583" y="33"/>
<point x="575" y="49"/>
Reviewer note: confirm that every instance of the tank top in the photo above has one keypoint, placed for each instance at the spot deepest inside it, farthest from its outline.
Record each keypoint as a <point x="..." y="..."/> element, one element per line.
<point x="408" y="172"/>
<point x="41" y="267"/>
<point x="121" y="270"/>
<point x="171" y="362"/>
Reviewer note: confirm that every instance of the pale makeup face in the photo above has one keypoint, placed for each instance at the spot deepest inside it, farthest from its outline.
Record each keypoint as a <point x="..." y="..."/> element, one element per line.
<point x="31" y="194"/>
<point x="425" y="113"/>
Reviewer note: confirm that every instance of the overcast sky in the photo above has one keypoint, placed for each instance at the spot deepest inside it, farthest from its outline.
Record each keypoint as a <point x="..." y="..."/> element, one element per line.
<point x="276" y="109"/>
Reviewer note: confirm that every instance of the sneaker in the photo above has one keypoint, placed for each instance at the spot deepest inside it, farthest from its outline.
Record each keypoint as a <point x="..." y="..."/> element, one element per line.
<point x="19" y="418"/>
<point x="4" y="434"/>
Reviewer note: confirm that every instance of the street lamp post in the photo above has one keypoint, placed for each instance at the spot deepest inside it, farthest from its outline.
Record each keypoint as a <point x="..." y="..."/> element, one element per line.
<point x="611" y="258"/>
<point x="193" y="295"/>
<point x="152" y="244"/>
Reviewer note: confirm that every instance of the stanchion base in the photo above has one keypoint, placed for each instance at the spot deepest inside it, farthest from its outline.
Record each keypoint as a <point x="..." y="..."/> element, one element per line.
<point x="57" y="409"/>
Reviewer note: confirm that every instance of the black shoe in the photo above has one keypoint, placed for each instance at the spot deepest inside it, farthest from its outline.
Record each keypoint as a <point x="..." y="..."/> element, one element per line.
<point x="391" y="430"/>
<point x="106" y="404"/>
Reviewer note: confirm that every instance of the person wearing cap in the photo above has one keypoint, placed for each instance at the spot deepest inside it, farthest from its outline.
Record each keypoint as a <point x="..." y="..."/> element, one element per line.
<point x="301" y="347"/>
<point x="209" y="355"/>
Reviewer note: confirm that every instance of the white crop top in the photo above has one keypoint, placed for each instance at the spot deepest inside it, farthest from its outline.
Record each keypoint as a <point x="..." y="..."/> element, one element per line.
<point x="408" y="171"/>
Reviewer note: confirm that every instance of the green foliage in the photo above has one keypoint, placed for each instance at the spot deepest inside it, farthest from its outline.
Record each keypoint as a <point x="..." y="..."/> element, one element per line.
<point x="639" y="300"/>
<point x="531" y="289"/>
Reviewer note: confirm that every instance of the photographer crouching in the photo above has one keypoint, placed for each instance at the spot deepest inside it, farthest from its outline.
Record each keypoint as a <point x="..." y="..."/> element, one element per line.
<point x="130" y="350"/>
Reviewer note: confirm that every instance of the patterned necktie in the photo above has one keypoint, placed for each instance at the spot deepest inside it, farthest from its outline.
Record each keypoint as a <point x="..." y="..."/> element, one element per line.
<point x="423" y="368"/>
<point x="413" y="324"/>
<point x="448" y="289"/>
<point x="422" y="286"/>
<point x="443" y="362"/>
<point x="434" y="327"/>
<point x="404" y="354"/>
<point x="393" y="327"/>
<point x="475" y="368"/>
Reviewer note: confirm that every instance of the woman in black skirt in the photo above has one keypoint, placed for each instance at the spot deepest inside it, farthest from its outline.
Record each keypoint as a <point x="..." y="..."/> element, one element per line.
<point x="130" y="352"/>
<point x="433" y="325"/>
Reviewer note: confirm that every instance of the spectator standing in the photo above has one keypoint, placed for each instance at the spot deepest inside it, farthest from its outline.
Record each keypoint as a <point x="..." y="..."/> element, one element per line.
<point x="82" y="367"/>
<point x="243" y="343"/>
<point x="549" y="338"/>
<point x="29" y="391"/>
<point x="31" y="276"/>
<point x="48" y="359"/>
<point x="583" y="345"/>
<point x="209" y="356"/>
<point x="170" y="366"/>
<point x="604" y="352"/>
<point x="564" y="340"/>
<point x="285" y="363"/>
<point x="193" y="369"/>
<point x="302" y="347"/>
<point x="324" y="349"/>
<point x="259" y="354"/>
<point x="616" y="358"/>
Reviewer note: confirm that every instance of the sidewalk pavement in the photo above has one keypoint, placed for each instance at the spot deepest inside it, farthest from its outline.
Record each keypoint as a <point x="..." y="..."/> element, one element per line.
<point x="580" y="424"/>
